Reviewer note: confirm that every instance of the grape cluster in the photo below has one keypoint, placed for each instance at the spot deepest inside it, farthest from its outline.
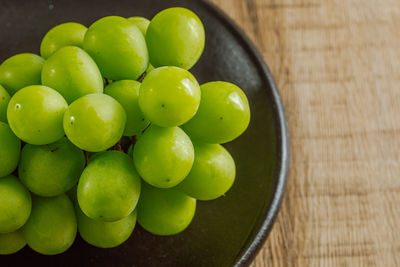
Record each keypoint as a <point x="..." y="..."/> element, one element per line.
<point x="62" y="118"/>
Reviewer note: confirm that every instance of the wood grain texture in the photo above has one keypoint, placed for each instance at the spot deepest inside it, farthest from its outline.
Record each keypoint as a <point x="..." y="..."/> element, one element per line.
<point x="337" y="66"/>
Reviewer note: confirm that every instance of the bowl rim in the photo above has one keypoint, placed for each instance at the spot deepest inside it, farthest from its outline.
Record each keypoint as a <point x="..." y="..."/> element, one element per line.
<point x="249" y="252"/>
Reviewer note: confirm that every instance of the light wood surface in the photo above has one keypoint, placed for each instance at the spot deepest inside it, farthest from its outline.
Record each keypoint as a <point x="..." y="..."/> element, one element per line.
<point x="337" y="66"/>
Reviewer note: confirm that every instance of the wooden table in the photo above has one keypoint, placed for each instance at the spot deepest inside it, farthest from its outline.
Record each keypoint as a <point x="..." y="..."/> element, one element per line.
<point x="337" y="66"/>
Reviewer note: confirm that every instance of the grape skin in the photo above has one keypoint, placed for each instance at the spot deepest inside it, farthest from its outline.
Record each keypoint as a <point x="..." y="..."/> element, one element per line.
<point x="165" y="211"/>
<point x="10" y="147"/>
<point x="94" y="122"/>
<point x="11" y="242"/>
<point x="163" y="156"/>
<point x="65" y="34"/>
<point x="15" y="204"/>
<point x="212" y="174"/>
<point x="109" y="187"/>
<point x="73" y="73"/>
<point x="223" y="114"/>
<point x="51" y="170"/>
<point x="51" y="228"/>
<point x="175" y="37"/>
<point x="35" y="114"/>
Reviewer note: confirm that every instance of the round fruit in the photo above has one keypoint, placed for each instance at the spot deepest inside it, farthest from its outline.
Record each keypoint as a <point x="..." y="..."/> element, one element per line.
<point x="20" y="71"/>
<point x="10" y="147"/>
<point x="141" y="23"/>
<point x="94" y="122"/>
<point x="4" y="99"/>
<point x="105" y="234"/>
<point x="165" y="211"/>
<point x="73" y="73"/>
<point x="118" y="47"/>
<point x="52" y="169"/>
<point x="126" y="92"/>
<point x="223" y="115"/>
<point x="175" y="37"/>
<point x="15" y="204"/>
<point x="212" y="174"/>
<point x="51" y="228"/>
<point x="163" y="156"/>
<point x="169" y="96"/>
<point x="65" y="34"/>
<point x="11" y="242"/>
<point x="109" y="187"/>
<point x="35" y="114"/>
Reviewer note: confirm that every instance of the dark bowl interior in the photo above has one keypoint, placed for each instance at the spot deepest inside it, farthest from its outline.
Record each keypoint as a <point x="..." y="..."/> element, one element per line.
<point x="227" y="231"/>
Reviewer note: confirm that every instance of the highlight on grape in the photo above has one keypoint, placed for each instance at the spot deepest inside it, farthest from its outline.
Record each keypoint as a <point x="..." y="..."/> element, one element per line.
<point x="108" y="127"/>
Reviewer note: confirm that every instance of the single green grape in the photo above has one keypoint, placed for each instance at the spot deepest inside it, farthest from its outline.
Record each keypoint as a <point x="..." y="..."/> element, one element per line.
<point x="4" y="99"/>
<point x="109" y="187"/>
<point x="10" y="147"/>
<point x="126" y="92"/>
<point x="223" y="115"/>
<point x="73" y="73"/>
<point x="175" y="37"/>
<point x="52" y="169"/>
<point x="51" y="228"/>
<point x="169" y="96"/>
<point x="15" y="204"/>
<point x="20" y="71"/>
<point x="163" y="156"/>
<point x="64" y="34"/>
<point x="94" y="122"/>
<point x="141" y="22"/>
<point x="212" y="174"/>
<point x="165" y="211"/>
<point x="35" y="114"/>
<point x="105" y="234"/>
<point x="118" y="47"/>
<point x="11" y="242"/>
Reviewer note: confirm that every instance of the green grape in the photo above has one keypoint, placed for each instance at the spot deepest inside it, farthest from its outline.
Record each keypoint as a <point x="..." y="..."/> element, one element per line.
<point x="10" y="147"/>
<point x="51" y="228"/>
<point x="126" y="92"/>
<point x="118" y="47"/>
<point x="165" y="211"/>
<point x="163" y="156"/>
<point x="169" y="96"/>
<point x="64" y="34"/>
<point x="94" y="122"/>
<point x="105" y="234"/>
<point x="15" y="204"/>
<point x="223" y="115"/>
<point x="175" y="37"/>
<point x="109" y="187"/>
<point x="73" y="73"/>
<point x="141" y="22"/>
<point x="11" y="242"/>
<point x="212" y="174"/>
<point x="20" y="71"/>
<point x="35" y="114"/>
<point x="4" y="99"/>
<point x="51" y="170"/>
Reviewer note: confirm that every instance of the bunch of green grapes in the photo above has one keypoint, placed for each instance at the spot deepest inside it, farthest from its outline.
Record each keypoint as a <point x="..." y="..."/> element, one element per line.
<point x="63" y="115"/>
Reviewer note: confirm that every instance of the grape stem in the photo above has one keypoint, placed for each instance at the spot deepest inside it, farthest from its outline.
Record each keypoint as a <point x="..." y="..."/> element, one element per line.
<point x="142" y="77"/>
<point x="117" y="147"/>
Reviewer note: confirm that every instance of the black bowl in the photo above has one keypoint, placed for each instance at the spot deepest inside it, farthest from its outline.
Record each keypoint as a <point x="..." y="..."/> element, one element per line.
<point x="227" y="231"/>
